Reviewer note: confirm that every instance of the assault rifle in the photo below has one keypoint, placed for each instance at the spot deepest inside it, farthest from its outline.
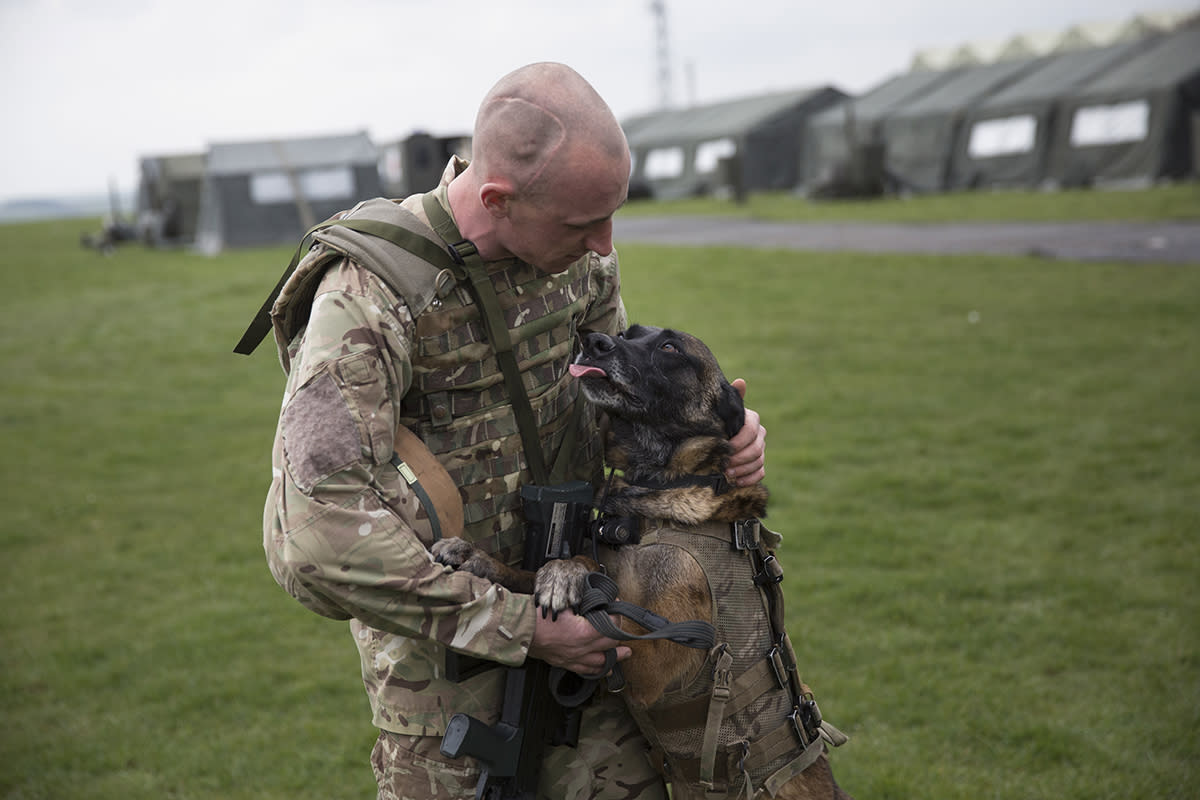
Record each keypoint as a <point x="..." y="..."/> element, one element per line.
<point x="532" y="717"/>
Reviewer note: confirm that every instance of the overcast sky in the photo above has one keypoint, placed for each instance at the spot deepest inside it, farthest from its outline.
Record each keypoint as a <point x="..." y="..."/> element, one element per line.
<point x="89" y="86"/>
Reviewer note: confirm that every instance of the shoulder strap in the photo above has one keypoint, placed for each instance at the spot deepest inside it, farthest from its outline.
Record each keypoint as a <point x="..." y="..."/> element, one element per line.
<point x="381" y="219"/>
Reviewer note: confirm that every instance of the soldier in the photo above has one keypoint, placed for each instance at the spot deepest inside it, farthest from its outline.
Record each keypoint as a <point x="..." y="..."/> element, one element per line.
<point x="345" y="534"/>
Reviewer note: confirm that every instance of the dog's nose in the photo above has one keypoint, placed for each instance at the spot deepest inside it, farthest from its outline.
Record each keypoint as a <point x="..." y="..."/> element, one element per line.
<point x="598" y="344"/>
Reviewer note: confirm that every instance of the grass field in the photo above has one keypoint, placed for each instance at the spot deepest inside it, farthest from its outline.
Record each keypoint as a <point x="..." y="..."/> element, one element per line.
<point x="986" y="470"/>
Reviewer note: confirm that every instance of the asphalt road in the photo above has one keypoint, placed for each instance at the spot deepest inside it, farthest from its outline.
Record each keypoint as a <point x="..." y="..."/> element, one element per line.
<point x="1148" y="242"/>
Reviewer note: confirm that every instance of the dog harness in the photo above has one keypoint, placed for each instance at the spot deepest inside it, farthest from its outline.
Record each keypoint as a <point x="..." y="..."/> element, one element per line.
<point x="745" y="723"/>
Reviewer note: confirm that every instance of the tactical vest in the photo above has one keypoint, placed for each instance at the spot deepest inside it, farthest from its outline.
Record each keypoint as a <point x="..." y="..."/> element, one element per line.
<point x="745" y="723"/>
<point x="458" y="403"/>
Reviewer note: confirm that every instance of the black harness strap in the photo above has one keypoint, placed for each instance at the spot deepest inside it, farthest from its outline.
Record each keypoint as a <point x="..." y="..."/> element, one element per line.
<point x="718" y="482"/>
<point x="600" y="599"/>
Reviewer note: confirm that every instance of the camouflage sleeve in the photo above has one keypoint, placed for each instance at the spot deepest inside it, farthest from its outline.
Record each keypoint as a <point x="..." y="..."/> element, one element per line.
<point x="606" y="311"/>
<point x="341" y="527"/>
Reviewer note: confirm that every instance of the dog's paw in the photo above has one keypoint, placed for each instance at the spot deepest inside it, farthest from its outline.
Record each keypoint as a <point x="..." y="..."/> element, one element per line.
<point x="559" y="585"/>
<point x="453" y="552"/>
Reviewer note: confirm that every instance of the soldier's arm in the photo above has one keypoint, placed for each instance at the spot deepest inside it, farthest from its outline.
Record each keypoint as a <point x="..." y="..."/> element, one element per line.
<point x="341" y="525"/>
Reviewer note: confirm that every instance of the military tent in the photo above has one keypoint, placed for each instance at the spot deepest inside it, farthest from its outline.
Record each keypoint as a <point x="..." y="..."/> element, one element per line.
<point x="833" y="132"/>
<point x="1087" y="35"/>
<point x="1136" y="122"/>
<point x="749" y="144"/>
<point x="272" y="191"/>
<point x="1029" y="45"/>
<point x="1006" y="137"/>
<point x="416" y="164"/>
<point x="168" y="199"/>
<point x="919" y="136"/>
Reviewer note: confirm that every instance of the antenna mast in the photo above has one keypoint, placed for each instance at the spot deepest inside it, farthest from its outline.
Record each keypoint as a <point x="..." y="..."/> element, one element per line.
<point x="659" y="8"/>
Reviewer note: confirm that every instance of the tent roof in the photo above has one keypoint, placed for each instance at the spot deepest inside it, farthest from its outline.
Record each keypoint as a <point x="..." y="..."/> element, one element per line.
<point x="1148" y="22"/>
<point x="933" y="58"/>
<point x="1027" y="45"/>
<point x="186" y="165"/>
<point x="1172" y="59"/>
<point x="230" y="158"/>
<point x="1060" y="74"/>
<point x="714" y="121"/>
<point x="1092" y="34"/>
<point x="886" y="97"/>
<point x="966" y="87"/>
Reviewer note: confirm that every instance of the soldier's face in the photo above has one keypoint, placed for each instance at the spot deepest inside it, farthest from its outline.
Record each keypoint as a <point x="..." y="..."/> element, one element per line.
<point x="556" y="228"/>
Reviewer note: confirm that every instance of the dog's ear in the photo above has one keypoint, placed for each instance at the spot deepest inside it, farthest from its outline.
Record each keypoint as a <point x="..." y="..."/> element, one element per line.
<point x="730" y="409"/>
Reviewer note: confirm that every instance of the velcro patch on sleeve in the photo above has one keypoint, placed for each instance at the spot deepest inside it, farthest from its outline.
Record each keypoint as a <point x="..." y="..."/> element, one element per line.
<point x="319" y="434"/>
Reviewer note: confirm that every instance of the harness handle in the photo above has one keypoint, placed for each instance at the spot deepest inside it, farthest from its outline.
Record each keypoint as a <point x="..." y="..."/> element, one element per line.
<point x="600" y="599"/>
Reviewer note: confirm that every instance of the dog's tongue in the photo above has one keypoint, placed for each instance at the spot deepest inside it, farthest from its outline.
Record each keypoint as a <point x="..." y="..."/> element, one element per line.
<point x="583" y="371"/>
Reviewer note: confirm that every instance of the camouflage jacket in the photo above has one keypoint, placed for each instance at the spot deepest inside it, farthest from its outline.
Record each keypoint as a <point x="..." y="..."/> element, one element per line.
<point x="344" y="534"/>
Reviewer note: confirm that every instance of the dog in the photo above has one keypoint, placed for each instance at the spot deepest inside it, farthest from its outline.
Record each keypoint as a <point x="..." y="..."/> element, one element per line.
<point x="671" y="413"/>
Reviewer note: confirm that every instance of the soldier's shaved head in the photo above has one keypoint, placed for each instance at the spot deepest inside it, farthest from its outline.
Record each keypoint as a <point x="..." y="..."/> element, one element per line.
<point x="535" y="119"/>
<point x="549" y="168"/>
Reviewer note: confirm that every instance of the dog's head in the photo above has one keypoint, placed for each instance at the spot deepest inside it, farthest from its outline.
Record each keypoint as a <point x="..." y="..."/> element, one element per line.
<point x="660" y="378"/>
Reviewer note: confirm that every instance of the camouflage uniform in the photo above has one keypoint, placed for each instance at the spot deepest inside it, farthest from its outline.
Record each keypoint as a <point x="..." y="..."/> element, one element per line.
<point x="344" y="534"/>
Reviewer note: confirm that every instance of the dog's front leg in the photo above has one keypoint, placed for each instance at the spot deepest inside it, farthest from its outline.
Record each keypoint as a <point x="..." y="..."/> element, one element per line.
<point x="560" y="583"/>
<point x="462" y="555"/>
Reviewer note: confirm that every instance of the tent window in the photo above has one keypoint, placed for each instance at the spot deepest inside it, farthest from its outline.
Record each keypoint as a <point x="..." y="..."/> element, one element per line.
<point x="393" y="166"/>
<point x="709" y="154"/>
<point x="330" y="183"/>
<point x="1002" y="137"/>
<point x="270" y="187"/>
<point x="1120" y="122"/>
<point x="665" y="162"/>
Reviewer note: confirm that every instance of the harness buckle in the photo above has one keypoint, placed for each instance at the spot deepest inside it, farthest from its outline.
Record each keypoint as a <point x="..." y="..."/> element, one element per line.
<point x="806" y="720"/>
<point x="745" y="534"/>
<point x="775" y="657"/>
<point x="770" y="573"/>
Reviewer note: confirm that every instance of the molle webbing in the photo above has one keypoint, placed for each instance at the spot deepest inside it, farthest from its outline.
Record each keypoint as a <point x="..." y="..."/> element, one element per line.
<point x="702" y="732"/>
<point x="468" y="259"/>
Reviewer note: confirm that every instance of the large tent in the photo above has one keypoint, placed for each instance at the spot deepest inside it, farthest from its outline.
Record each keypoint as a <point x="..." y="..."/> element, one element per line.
<point x="919" y="136"/>
<point x="832" y="132"/>
<point x="270" y="192"/>
<point x="749" y="144"/>
<point x="1136" y="122"/>
<point x="416" y="164"/>
<point x="168" y="198"/>
<point x="1006" y="137"/>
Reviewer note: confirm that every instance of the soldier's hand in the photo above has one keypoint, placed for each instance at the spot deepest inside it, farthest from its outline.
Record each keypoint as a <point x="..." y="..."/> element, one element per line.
<point x="569" y="641"/>
<point x="747" y="464"/>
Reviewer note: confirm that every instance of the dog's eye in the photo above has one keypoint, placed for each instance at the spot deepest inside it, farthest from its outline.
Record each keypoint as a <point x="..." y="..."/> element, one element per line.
<point x="668" y="347"/>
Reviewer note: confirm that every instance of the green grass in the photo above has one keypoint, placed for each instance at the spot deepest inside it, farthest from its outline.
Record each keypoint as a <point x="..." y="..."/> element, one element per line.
<point x="990" y="520"/>
<point x="1179" y="201"/>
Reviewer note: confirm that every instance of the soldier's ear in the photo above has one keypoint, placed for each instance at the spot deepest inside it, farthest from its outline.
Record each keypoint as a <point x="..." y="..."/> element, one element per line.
<point x="495" y="197"/>
<point x="731" y="409"/>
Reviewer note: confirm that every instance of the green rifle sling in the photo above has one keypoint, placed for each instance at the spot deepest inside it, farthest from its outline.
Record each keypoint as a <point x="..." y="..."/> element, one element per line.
<point x="497" y="332"/>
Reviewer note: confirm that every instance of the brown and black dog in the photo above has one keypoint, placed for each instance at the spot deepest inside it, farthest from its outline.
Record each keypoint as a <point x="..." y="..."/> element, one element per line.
<point x="671" y="413"/>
